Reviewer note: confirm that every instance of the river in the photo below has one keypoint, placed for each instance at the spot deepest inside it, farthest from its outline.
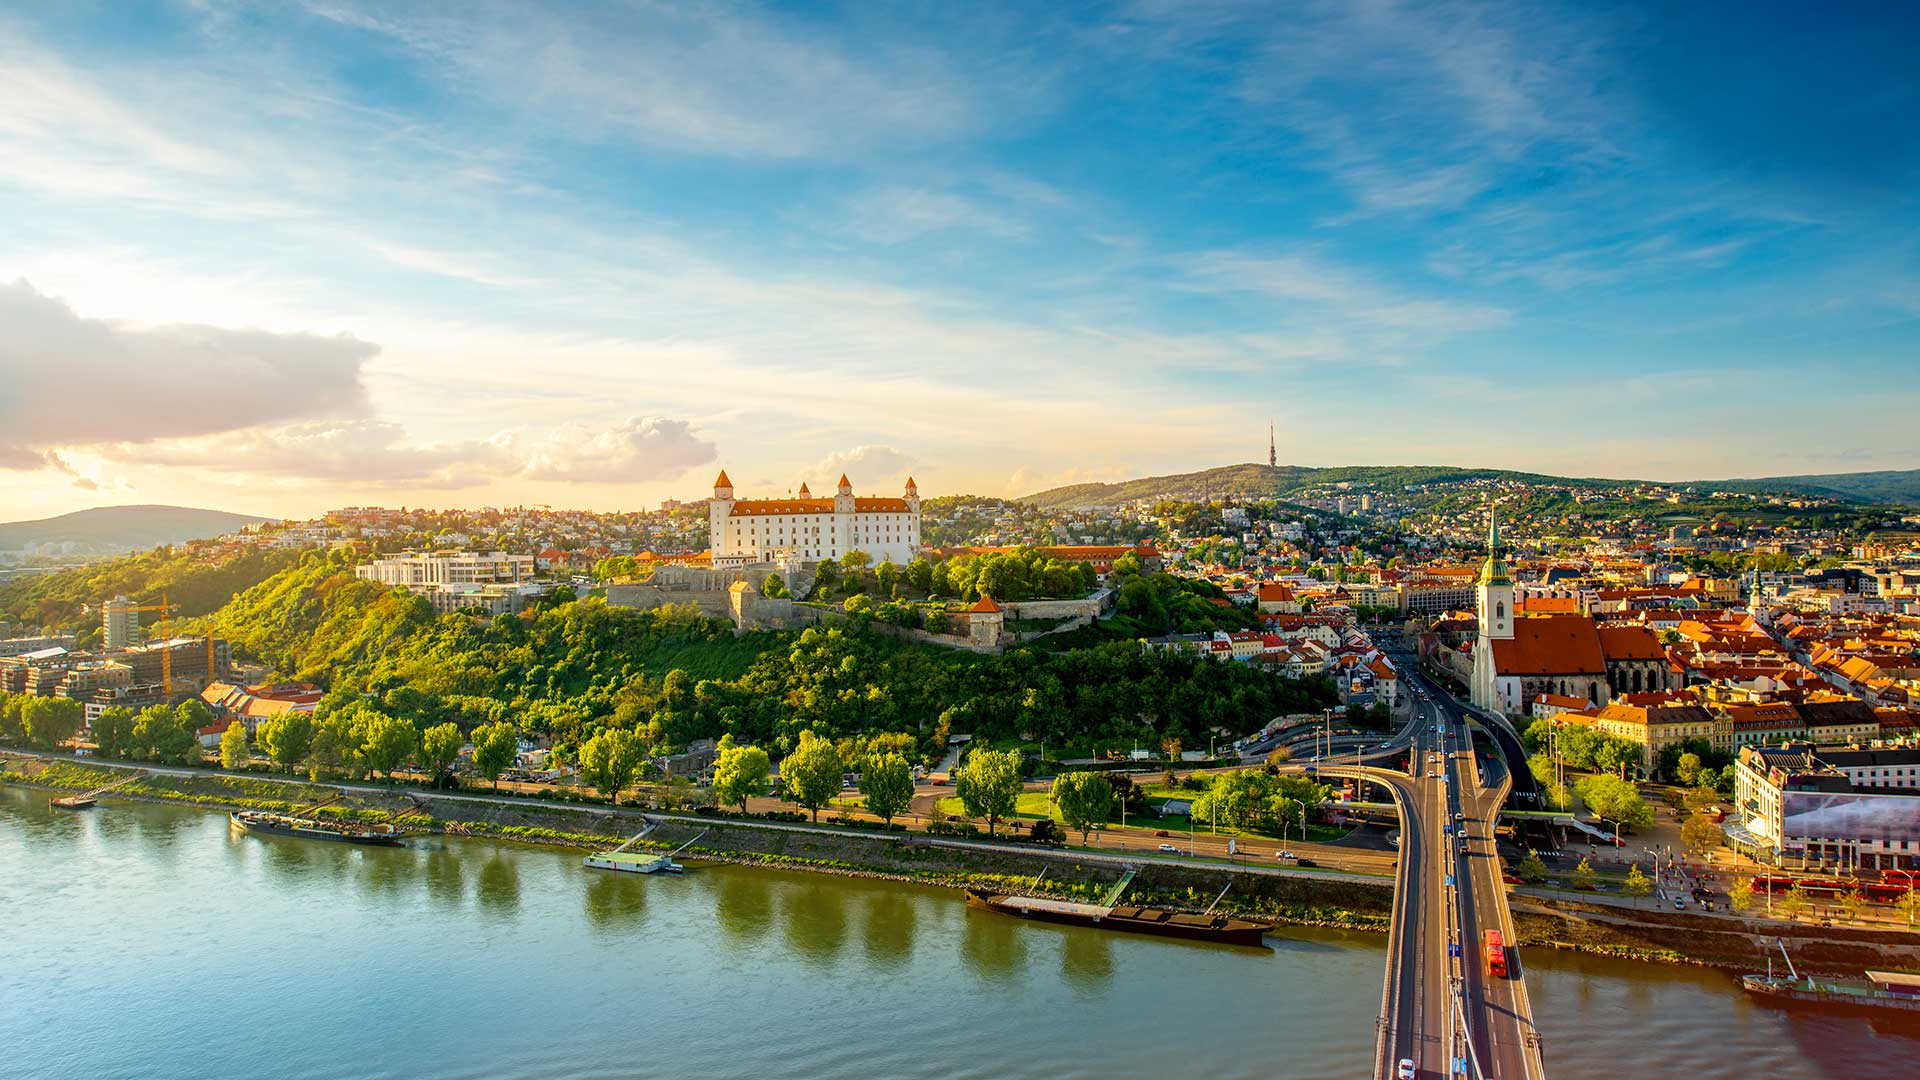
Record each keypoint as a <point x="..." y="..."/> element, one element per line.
<point x="153" y="942"/>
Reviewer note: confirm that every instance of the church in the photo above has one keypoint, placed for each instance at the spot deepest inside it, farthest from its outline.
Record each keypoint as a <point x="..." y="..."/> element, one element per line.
<point x="1518" y="656"/>
<point x="745" y="531"/>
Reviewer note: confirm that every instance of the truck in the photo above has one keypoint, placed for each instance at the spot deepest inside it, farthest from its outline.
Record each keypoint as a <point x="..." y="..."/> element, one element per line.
<point x="1496" y="956"/>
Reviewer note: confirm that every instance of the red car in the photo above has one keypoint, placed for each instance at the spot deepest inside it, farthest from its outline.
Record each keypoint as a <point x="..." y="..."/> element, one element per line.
<point x="1163" y="832"/>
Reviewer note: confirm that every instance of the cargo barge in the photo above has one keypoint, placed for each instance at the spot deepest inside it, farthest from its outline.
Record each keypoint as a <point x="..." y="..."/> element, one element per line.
<point x="381" y="834"/>
<point x="1881" y="990"/>
<point x="1220" y="929"/>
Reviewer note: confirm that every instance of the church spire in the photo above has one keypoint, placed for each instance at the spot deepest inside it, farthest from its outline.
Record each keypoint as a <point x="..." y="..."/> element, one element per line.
<point x="1494" y="570"/>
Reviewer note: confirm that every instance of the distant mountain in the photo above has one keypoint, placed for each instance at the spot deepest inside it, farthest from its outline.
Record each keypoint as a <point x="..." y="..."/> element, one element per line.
<point x="108" y="530"/>
<point x="1264" y="481"/>
<point x="1887" y="486"/>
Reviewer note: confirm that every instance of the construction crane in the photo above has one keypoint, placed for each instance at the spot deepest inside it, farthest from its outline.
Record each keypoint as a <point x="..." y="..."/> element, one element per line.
<point x="166" y="652"/>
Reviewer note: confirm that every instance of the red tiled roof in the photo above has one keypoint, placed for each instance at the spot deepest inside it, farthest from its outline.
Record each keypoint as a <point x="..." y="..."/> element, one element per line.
<point x="1629" y="642"/>
<point x="1550" y="645"/>
<point x="986" y="606"/>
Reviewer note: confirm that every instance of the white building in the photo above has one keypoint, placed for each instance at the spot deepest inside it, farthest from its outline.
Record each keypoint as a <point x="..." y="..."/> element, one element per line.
<point x="763" y="530"/>
<point x="416" y="569"/>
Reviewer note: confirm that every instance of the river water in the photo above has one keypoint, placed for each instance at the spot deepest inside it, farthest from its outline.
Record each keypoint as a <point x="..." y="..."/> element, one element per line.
<point x="153" y="942"/>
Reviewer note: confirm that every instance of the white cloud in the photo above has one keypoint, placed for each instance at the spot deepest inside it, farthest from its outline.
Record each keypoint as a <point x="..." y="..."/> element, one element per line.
<point x="897" y="214"/>
<point x="382" y="454"/>
<point x="73" y="381"/>
<point x="871" y="468"/>
<point x="725" y="80"/>
<point x="640" y="449"/>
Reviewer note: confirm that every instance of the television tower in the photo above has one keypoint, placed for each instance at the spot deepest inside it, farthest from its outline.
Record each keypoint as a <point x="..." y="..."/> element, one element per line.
<point x="1273" y="456"/>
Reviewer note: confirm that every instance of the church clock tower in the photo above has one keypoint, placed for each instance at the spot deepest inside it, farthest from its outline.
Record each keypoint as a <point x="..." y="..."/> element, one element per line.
<point x="1495" y="591"/>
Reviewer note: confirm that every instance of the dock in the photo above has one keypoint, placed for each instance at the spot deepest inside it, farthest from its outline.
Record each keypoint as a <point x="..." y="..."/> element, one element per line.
<point x="86" y="799"/>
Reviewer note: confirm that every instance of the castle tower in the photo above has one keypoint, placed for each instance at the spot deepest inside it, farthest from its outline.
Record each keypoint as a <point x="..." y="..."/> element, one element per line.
<point x="913" y="495"/>
<point x="1495" y="593"/>
<point x="719" y="539"/>
<point x="804" y="493"/>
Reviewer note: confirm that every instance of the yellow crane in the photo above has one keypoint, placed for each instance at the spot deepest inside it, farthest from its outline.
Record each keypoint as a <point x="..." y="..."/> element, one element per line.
<point x="166" y="654"/>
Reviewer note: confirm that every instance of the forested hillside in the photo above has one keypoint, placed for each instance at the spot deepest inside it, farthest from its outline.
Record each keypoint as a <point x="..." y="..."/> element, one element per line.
<point x="198" y="581"/>
<point x="571" y="668"/>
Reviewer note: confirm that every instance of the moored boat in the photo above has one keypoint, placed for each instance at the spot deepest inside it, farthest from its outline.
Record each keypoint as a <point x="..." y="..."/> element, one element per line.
<point x="633" y="862"/>
<point x="1881" y="990"/>
<point x="1222" y="929"/>
<point x="262" y="821"/>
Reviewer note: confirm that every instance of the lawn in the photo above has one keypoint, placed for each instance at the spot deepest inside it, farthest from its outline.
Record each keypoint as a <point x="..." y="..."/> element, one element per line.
<point x="1033" y="805"/>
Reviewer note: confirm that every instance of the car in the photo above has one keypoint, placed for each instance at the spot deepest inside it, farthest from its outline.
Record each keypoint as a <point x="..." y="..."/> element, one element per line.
<point x="1459" y="815"/>
<point x="1169" y="847"/>
<point x="1163" y="832"/>
<point x="1463" y="845"/>
<point x="1510" y="879"/>
<point x="1453" y="948"/>
<point x="1405" y="1071"/>
<point x="1679" y="904"/>
<point x="1305" y="862"/>
<point x="1284" y="855"/>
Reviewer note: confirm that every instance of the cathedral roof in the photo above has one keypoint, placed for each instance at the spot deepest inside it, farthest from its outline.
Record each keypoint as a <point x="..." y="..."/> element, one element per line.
<point x="1550" y="645"/>
<point x="1618" y="642"/>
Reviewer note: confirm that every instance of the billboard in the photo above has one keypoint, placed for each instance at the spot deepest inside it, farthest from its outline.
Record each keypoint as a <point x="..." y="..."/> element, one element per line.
<point x="1828" y="815"/>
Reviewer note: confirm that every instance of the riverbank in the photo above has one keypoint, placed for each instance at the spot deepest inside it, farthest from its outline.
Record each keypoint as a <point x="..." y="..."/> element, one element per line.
<point x="1296" y="898"/>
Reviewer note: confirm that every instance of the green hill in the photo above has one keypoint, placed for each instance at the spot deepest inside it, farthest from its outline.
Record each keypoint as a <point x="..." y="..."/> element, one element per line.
<point x="110" y="530"/>
<point x="1886" y="486"/>
<point x="1265" y="481"/>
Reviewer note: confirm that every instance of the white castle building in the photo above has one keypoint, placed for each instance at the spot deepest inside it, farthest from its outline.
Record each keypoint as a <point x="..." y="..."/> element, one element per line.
<point x="803" y="527"/>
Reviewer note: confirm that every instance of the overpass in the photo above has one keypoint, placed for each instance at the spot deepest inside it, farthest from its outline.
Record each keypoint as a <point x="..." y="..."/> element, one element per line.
<point x="1439" y="1007"/>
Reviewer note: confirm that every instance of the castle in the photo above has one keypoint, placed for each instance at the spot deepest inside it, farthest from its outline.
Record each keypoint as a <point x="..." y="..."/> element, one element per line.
<point x="745" y="531"/>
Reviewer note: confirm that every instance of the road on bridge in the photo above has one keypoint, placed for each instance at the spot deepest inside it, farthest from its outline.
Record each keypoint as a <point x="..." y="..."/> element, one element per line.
<point x="1440" y="1008"/>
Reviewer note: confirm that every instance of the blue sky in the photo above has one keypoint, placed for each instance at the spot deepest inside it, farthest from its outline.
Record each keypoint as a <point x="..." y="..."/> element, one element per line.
<point x="478" y="254"/>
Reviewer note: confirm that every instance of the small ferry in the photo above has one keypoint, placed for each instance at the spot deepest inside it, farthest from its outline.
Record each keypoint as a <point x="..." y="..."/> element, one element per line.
<point x="1880" y="989"/>
<point x="624" y="861"/>
<point x="1110" y="915"/>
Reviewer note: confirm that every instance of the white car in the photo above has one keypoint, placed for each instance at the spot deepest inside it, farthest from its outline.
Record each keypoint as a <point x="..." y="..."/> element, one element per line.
<point x="1169" y="847"/>
<point x="1405" y="1071"/>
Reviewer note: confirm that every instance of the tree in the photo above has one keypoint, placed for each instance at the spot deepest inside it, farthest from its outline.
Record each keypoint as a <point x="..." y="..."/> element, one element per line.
<point x="609" y="760"/>
<point x="335" y="746"/>
<point x="812" y="774"/>
<point x="774" y="587"/>
<point x="1085" y="801"/>
<point x="1583" y="875"/>
<point x="1740" y="897"/>
<point x="1615" y="800"/>
<point x="1700" y="833"/>
<point x="887" y="782"/>
<point x="233" y="746"/>
<point x="1793" y="903"/>
<point x="739" y="773"/>
<point x="494" y="748"/>
<point x="860" y="604"/>
<point x="1532" y="868"/>
<point x="50" y="721"/>
<point x="1637" y="885"/>
<point x="112" y="729"/>
<point x="1279" y="756"/>
<point x="1687" y="771"/>
<point x="287" y="738"/>
<point x="439" y="749"/>
<point x="157" y="734"/>
<point x="386" y="741"/>
<point x="1853" y="903"/>
<point x="1908" y="905"/>
<point x="989" y="785"/>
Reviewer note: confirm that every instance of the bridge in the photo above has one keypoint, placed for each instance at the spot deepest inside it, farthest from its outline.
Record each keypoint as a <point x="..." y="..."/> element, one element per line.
<point x="1440" y="1008"/>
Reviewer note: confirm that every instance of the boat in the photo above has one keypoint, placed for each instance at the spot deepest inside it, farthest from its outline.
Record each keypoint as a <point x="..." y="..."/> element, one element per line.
<point x="1880" y="989"/>
<point x="633" y="862"/>
<point x="303" y="823"/>
<point x="639" y="862"/>
<point x="1110" y="915"/>
<point x="75" y="802"/>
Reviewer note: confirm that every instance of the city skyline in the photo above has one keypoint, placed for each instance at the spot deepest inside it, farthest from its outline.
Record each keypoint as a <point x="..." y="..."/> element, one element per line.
<point x="320" y="256"/>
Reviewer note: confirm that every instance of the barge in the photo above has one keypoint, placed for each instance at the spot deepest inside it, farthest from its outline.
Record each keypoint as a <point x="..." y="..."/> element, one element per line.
<point x="1109" y="914"/>
<point x="381" y="834"/>
<point x="1881" y="990"/>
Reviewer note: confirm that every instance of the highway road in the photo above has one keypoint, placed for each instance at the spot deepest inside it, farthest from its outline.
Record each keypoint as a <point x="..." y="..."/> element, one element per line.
<point x="1440" y="1009"/>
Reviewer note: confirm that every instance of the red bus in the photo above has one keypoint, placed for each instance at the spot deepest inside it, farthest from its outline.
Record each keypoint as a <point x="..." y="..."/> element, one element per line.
<point x="1496" y="956"/>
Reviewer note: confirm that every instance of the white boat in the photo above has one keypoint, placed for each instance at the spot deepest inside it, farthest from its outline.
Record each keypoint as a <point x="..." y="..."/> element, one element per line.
<point x="639" y="862"/>
<point x="633" y="862"/>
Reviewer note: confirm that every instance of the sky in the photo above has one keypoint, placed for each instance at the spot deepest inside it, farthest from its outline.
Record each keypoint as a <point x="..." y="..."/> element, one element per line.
<point x="280" y="257"/>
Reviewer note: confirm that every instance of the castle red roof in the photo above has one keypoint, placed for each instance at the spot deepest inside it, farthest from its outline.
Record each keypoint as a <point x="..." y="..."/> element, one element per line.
<point x="986" y="606"/>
